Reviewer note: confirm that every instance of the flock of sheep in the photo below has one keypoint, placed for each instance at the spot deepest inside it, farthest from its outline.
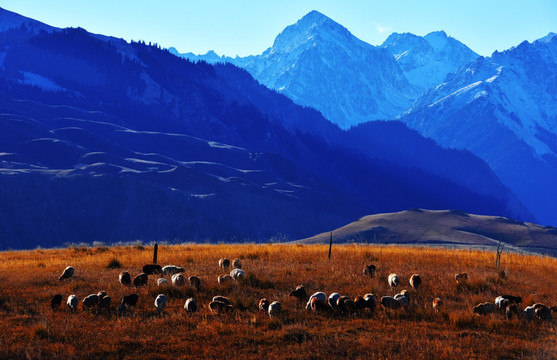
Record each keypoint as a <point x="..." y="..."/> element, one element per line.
<point x="508" y="305"/>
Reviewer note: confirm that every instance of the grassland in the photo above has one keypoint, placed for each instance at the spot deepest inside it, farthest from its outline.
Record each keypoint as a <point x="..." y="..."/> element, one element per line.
<point x="31" y="330"/>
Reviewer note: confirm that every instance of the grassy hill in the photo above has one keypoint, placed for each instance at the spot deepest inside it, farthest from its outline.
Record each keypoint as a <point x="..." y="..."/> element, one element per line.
<point x="31" y="330"/>
<point x="444" y="227"/>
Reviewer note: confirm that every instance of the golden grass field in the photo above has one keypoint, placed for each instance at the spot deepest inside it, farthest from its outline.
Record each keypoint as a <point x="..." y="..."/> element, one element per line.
<point x="31" y="330"/>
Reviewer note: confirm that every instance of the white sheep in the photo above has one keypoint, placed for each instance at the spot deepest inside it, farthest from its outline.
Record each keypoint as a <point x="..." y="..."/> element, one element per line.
<point x="393" y="281"/>
<point x="274" y="308"/>
<point x="172" y="269"/>
<point x="236" y="264"/>
<point x="160" y="302"/>
<point x="178" y="280"/>
<point x="190" y="305"/>
<point x="67" y="273"/>
<point x="402" y="299"/>
<point x="333" y="299"/>
<point x="72" y="302"/>
<point x="320" y="296"/>
<point x="224" y="263"/>
<point x="237" y="274"/>
<point x="415" y="281"/>
<point x="162" y="281"/>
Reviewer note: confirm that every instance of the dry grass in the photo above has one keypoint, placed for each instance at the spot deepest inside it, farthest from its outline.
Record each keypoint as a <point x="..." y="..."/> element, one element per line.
<point x="31" y="330"/>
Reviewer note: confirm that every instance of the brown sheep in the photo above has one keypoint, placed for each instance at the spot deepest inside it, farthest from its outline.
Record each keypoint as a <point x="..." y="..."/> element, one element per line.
<point x="90" y="301"/>
<point x="223" y="279"/>
<point x="318" y="305"/>
<point x="484" y="308"/>
<point x="151" y="269"/>
<point x="437" y="303"/>
<point x="195" y="282"/>
<point x="56" y="301"/>
<point x="512" y="310"/>
<point x="236" y="264"/>
<point x="415" y="281"/>
<point x="125" y="278"/>
<point x="264" y="304"/>
<point x="299" y="293"/>
<point x="345" y="304"/>
<point x="140" y="280"/>
<point x="461" y="277"/>
<point x="369" y="270"/>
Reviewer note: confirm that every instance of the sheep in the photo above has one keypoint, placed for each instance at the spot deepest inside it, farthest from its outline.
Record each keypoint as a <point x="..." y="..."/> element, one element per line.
<point x="529" y="312"/>
<point x="484" y="308"/>
<point x="172" y="269"/>
<point x="67" y="273"/>
<point x="402" y="299"/>
<point x="162" y="281"/>
<point x="56" y="301"/>
<point x="223" y="279"/>
<point x="130" y="300"/>
<point x="125" y="278"/>
<point x="90" y="301"/>
<point x="345" y="304"/>
<point x="264" y="304"/>
<point x="218" y="307"/>
<point x="274" y="308"/>
<point x="405" y="293"/>
<point x="437" y="303"/>
<point x="543" y="313"/>
<point x="360" y="303"/>
<point x="389" y="302"/>
<point x="369" y="270"/>
<point x="320" y="296"/>
<point x="512" y="310"/>
<point x="224" y="263"/>
<point x="101" y="294"/>
<point x="222" y="299"/>
<point x="178" y="280"/>
<point x="512" y="299"/>
<point x="104" y="303"/>
<point x="140" y="280"/>
<point x="501" y="304"/>
<point x="190" y="305"/>
<point x="299" y="293"/>
<point x="461" y="277"/>
<point x="237" y="274"/>
<point x="332" y="300"/>
<point x="160" y="302"/>
<point x="236" y="264"/>
<point x="393" y="281"/>
<point x="415" y="281"/>
<point x="127" y="302"/>
<point x="195" y="282"/>
<point x="370" y="300"/>
<point x="151" y="269"/>
<point x="72" y="302"/>
<point x="317" y="305"/>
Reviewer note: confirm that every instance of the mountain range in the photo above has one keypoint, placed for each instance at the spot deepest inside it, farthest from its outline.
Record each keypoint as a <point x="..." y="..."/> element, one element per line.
<point x="105" y="140"/>
<point x="501" y="108"/>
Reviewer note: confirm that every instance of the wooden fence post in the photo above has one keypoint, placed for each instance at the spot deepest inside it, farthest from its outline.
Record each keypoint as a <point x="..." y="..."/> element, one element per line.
<point x="155" y="253"/>
<point x="330" y="245"/>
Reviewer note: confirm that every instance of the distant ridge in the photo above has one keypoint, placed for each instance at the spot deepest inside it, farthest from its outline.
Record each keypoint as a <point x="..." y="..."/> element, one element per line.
<point x="451" y="228"/>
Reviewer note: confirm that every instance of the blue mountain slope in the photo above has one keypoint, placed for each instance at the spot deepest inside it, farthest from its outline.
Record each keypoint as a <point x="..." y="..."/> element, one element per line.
<point x="108" y="141"/>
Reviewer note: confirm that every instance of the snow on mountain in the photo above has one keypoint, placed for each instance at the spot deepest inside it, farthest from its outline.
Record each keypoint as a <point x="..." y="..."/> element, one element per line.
<point x="427" y="60"/>
<point x="503" y="109"/>
<point x="319" y="63"/>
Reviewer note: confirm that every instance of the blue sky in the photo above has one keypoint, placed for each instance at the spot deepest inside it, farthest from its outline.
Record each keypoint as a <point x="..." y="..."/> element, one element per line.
<point x="250" y="26"/>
